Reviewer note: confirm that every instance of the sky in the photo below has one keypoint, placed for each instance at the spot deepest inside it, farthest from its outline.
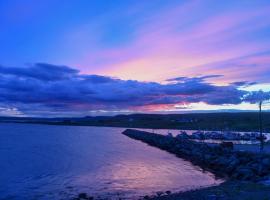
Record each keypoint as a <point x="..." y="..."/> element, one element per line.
<point x="106" y="57"/>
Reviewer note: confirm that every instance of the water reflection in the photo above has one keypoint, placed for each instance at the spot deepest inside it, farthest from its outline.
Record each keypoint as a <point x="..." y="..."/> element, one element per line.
<point x="54" y="162"/>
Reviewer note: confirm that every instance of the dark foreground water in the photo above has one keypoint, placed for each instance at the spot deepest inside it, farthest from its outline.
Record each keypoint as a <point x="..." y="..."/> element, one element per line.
<point x="58" y="162"/>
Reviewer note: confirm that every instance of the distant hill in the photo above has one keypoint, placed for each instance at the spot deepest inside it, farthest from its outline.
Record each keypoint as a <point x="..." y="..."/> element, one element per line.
<point x="241" y="121"/>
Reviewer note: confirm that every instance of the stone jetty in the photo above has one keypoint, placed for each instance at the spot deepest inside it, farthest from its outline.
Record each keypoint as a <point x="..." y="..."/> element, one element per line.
<point x="220" y="160"/>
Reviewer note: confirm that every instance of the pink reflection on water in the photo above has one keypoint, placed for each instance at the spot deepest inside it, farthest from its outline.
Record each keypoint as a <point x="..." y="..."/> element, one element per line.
<point x="144" y="174"/>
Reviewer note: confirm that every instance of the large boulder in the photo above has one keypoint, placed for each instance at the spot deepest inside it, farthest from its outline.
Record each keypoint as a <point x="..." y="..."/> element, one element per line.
<point x="266" y="162"/>
<point x="226" y="145"/>
<point x="243" y="173"/>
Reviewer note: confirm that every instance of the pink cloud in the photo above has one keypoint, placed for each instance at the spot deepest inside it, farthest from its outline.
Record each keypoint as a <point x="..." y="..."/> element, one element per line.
<point x="171" y="43"/>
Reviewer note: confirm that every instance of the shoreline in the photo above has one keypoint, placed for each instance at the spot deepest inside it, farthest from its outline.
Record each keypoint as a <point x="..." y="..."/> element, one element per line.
<point x="125" y="127"/>
<point x="244" y="172"/>
<point x="222" y="161"/>
<point x="217" y="121"/>
<point x="243" y="179"/>
<point x="242" y="182"/>
<point x="229" y="190"/>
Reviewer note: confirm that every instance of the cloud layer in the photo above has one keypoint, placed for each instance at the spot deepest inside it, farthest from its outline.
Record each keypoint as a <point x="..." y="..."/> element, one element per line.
<point x="50" y="88"/>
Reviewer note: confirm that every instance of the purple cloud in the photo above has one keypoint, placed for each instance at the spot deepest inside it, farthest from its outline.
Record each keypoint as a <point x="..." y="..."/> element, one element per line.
<point x="257" y="96"/>
<point x="40" y="71"/>
<point x="63" y="89"/>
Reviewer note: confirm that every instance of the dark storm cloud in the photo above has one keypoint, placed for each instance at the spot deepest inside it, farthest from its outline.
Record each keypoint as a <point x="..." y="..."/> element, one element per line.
<point x="243" y="83"/>
<point x="97" y="79"/>
<point x="41" y="71"/>
<point x="198" y="79"/>
<point x="257" y="96"/>
<point x="45" y="86"/>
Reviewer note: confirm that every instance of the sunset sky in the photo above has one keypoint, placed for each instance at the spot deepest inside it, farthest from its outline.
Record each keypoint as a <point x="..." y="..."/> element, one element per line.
<point x="104" y="57"/>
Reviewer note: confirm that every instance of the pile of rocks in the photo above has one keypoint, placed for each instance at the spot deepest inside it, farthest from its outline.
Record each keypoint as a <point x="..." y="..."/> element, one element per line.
<point x="223" y="162"/>
<point x="83" y="196"/>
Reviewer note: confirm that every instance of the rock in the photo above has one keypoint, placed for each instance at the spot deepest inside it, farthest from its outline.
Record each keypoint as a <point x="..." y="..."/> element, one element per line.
<point x="207" y="157"/>
<point x="228" y="145"/>
<point x="168" y="192"/>
<point x="82" y="196"/>
<point x="212" y="197"/>
<point x="266" y="162"/>
<point x="159" y="193"/>
<point x="220" y="159"/>
<point x="233" y="163"/>
<point x="146" y="197"/>
<point x="263" y="170"/>
<point x="170" y="135"/>
<point x="266" y="181"/>
<point x="244" y="173"/>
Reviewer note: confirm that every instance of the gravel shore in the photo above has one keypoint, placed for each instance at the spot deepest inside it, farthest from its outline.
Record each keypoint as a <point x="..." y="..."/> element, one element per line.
<point x="231" y="190"/>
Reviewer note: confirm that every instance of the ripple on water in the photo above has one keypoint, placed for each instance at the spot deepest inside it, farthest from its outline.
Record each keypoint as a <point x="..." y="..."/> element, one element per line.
<point x="54" y="162"/>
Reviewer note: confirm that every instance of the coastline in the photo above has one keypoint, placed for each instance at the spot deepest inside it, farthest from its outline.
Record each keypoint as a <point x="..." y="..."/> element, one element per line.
<point x="229" y="190"/>
<point x="243" y="181"/>
<point x="213" y="192"/>
<point x="244" y="174"/>
<point x="222" y="161"/>
<point x="243" y="122"/>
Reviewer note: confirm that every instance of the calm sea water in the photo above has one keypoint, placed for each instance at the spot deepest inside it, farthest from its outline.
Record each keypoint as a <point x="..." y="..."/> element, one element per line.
<point x="58" y="162"/>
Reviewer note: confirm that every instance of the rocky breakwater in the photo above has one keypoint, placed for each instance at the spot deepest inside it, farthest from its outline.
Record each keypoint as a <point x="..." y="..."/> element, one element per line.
<point x="223" y="162"/>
